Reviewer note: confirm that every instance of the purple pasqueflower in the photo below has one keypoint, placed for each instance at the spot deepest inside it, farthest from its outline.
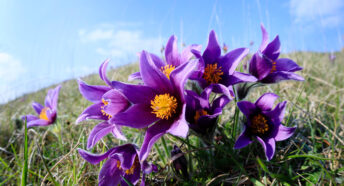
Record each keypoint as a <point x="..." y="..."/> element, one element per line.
<point x="122" y="161"/>
<point x="107" y="102"/>
<point x="201" y="115"/>
<point x="220" y="70"/>
<point x="159" y="101"/>
<point x="263" y="123"/>
<point x="172" y="56"/>
<point x="46" y="114"/>
<point x="267" y="67"/>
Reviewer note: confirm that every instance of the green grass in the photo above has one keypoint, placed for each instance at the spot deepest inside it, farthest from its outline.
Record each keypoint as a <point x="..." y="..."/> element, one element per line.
<point x="314" y="155"/>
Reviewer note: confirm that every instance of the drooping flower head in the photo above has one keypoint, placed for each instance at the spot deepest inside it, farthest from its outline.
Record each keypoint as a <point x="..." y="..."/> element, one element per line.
<point x="267" y="67"/>
<point x="121" y="161"/>
<point x="107" y="102"/>
<point x="159" y="101"/>
<point x="46" y="114"/>
<point x="202" y="115"/>
<point x="173" y="58"/>
<point x="263" y="123"/>
<point x="220" y="70"/>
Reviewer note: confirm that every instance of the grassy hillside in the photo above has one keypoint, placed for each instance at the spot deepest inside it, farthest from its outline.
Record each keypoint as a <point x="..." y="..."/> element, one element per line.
<point x="313" y="155"/>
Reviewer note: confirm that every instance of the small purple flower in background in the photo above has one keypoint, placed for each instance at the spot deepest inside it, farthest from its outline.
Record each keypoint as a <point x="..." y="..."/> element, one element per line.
<point x="46" y="114"/>
<point x="220" y="70"/>
<point x="202" y="116"/>
<point x="122" y="161"/>
<point x="264" y="123"/>
<point x="172" y="56"/>
<point x="225" y="48"/>
<point x="160" y="101"/>
<point x="179" y="162"/>
<point x="267" y="67"/>
<point x="332" y="57"/>
<point x="107" y="103"/>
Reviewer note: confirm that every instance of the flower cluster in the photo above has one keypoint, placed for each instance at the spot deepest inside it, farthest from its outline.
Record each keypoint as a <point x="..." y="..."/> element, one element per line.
<point x="161" y="103"/>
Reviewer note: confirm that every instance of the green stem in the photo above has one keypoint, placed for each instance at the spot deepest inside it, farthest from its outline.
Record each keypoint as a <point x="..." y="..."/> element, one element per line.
<point x="236" y="114"/>
<point x="45" y="165"/>
<point x="160" y="154"/>
<point x="167" y="151"/>
<point x="25" y="168"/>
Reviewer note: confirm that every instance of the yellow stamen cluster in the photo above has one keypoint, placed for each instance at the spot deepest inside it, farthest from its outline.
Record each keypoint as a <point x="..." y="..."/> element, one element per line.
<point x="43" y="114"/>
<point x="102" y="109"/>
<point x="199" y="113"/>
<point x="132" y="168"/>
<point x="259" y="124"/>
<point x="273" y="69"/>
<point x="164" y="105"/>
<point x="167" y="70"/>
<point x="212" y="74"/>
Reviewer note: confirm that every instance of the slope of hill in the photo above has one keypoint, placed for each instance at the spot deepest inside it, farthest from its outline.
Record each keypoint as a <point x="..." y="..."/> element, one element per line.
<point x="316" y="106"/>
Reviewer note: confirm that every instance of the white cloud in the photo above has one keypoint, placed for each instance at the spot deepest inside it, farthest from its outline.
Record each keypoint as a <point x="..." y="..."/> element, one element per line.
<point x="10" y="68"/>
<point x="325" y="13"/>
<point x="121" y="45"/>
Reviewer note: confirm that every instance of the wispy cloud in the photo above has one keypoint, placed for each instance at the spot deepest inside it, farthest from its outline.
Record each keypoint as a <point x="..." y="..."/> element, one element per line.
<point x="120" y="44"/>
<point x="327" y="13"/>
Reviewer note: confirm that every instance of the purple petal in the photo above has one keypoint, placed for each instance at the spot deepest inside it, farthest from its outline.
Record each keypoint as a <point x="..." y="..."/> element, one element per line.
<point x="102" y="72"/>
<point x="117" y="133"/>
<point x="29" y="118"/>
<point x="38" y="122"/>
<point x="153" y="133"/>
<point x="135" y="93"/>
<point x="266" y="101"/>
<point x="269" y="147"/>
<point x="213" y="50"/>
<point x="221" y="89"/>
<point x="110" y="174"/>
<point x="187" y="54"/>
<point x="95" y="158"/>
<point x="277" y="114"/>
<point x="265" y="38"/>
<point x="152" y="76"/>
<point x="247" y="108"/>
<point x="98" y="132"/>
<point x="171" y="52"/>
<point x="272" y="50"/>
<point x="92" y="93"/>
<point x="243" y="140"/>
<point x="231" y="60"/>
<point x="285" y="64"/>
<point x="133" y="178"/>
<point x="220" y="102"/>
<point x="51" y="115"/>
<point x="180" y="127"/>
<point x="137" y="116"/>
<point x="157" y="61"/>
<point x="52" y="97"/>
<point x="284" y="133"/>
<point x="259" y="67"/>
<point x="116" y="102"/>
<point x="134" y="76"/>
<point x="239" y="77"/>
<point x="278" y="76"/>
<point x="38" y="107"/>
<point x="126" y="154"/>
<point x="180" y="75"/>
<point x="92" y="112"/>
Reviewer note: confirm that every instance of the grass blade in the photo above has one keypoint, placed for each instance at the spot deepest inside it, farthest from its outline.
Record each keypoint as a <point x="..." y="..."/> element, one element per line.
<point x="25" y="168"/>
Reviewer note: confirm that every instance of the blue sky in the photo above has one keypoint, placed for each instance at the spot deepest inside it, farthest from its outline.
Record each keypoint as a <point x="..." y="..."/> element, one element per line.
<point x="42" y="43"/>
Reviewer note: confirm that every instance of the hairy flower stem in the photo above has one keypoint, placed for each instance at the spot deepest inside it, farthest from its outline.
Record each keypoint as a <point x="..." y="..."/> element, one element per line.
<point x="236" y="114"/>
<point x="165" y="146"/>
<point x="160" y="154"/>
<point x="44" y="163"/>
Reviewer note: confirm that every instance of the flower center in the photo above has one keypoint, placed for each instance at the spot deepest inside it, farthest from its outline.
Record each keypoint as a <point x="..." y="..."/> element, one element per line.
<point x="212" y="74"/>
<point x="167" y="70"/>
<point x="132" y="168"/>
<point x="102" y="109"/>
<point x="273" y="69"/>
<point x="259" y="124"/>
<point x="164" y="106"/>
<point x="199" y="113"/>
<point x="43" y="114"/>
